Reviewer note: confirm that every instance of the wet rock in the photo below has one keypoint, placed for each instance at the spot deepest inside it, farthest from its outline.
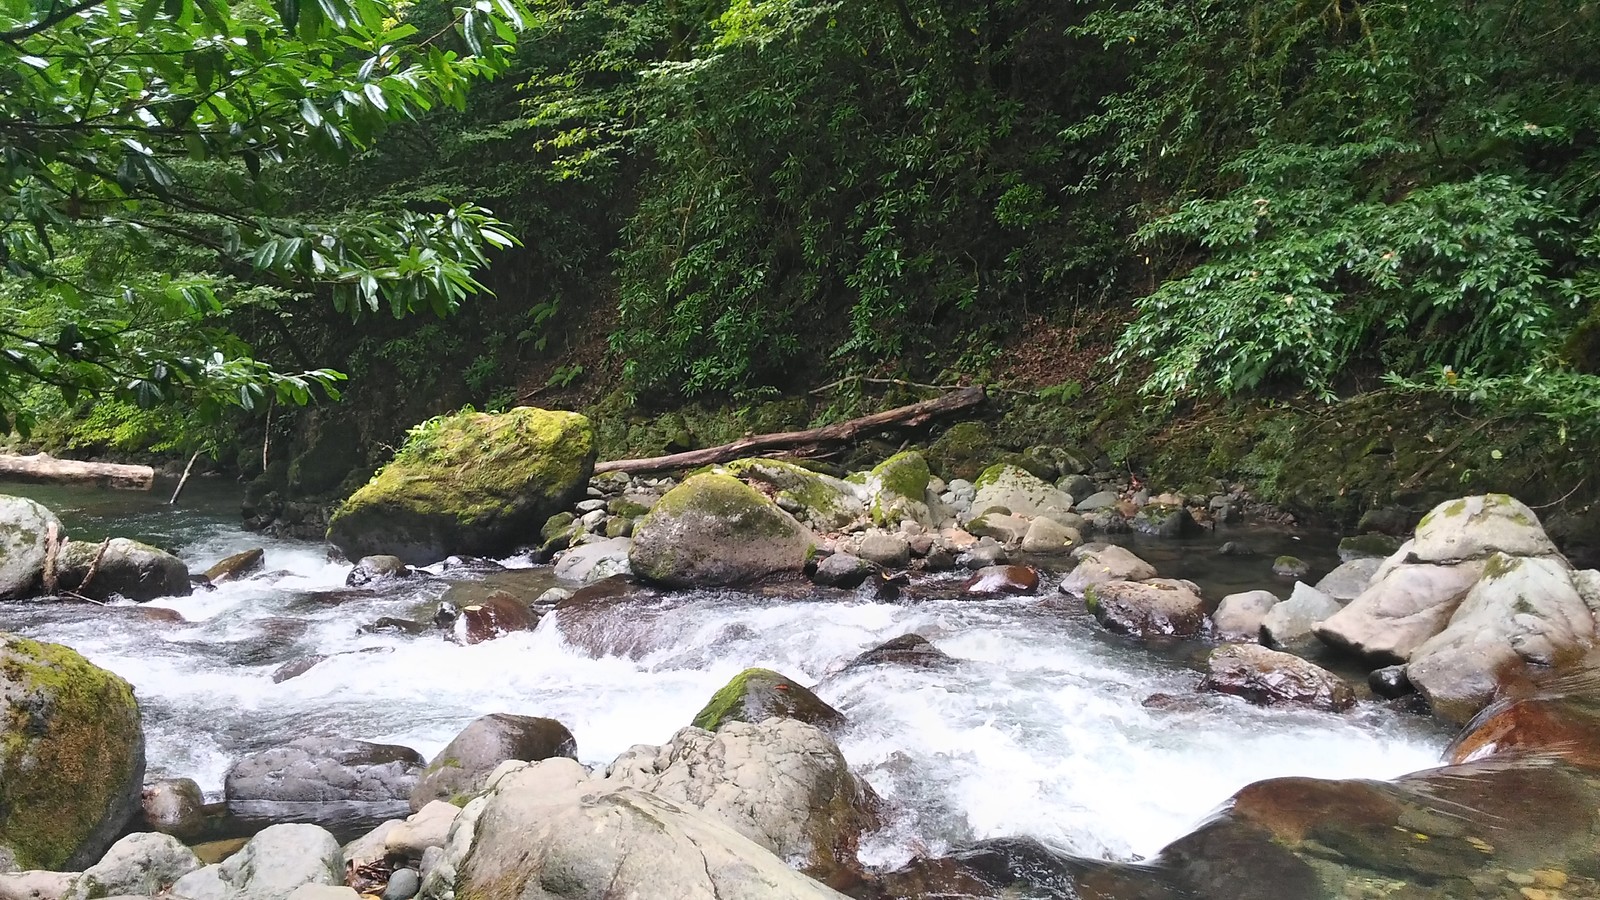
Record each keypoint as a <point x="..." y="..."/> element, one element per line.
<point x="236" y="566"/>
<point x="127" y="568"/>
<point x="1558" y="719"/>
<point x="1523" y="612"/>
<point x="713" y="530"/>
<point x="24" y="527"/>
<point x="1002" y="527"/>
<point x="140" y="864"/>
<point x="322" y="770"/>
<point x="781" y="783"/>
<point x="1238" y="616"/>
<point x="1103" y="564"/>
<point x="1165" y="520"/>
<point x="1046" y="535"/>
<point x="1290" y="623"/>
<point x="386" y="625"/>
<point x="475" y="483"/>
<point x="1290" y="567"/>
<point x="841" y="570"/>
<point x="884" y="549"/>
<point x="595" y="561"/>
<point x="1474" y="527"/>
<point x="756" y="695"/>
<point x="1158" y="607"/>
<point x="271" y="866"/>
<point x="498" y="614"/>
<point x="1372" y="545"/>
<point x="71" y="756"/>
<point x="462" y="768"/>
<point x="1390" y="682"/>
<point x="1002" y="580"/>
<point x="1268" y="677"/>
<point x="1404" y="606"/>
<point x="982" y="554"/>
<point x="1019" y="492"/>
<point x="1349" y="579"/>
<point x="1235" y="548"/>
<point x="370" y="569"/>
<point x="174" y="806"/>
<point x="912" y="650"/>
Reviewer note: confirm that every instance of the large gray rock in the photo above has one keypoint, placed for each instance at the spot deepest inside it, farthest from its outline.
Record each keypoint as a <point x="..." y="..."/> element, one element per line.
<point x="1047" y="535"/>
<point x="1291" y="622"/>
<point x="133" y="570"/>
<point x="24" y="526"/>
<point x="714" y="530"/>
<point x="1238" y="616"/>
<point x="1405" y="605"/>
<point x="313" y="771"/>
<point x="462" y="768"/>
<point x="884" y="548"/>
<point x="595" y="561"/>
<point x="1268" y="677"/>
<point x="270" y="867"/>
<point x="557" y="835"/>
<point x="1103" y="564"/>
<point x="1158" y="607"/>
<point x="843" y="570"/>
<point x="1018" y="492"/>
<point x="142" y="864"/>
<point x="1349" y="579"/>
<point x="71" y="756"/>
<point x="1474" y="527"/>
<point x="781" y="783"/>
<point x="1524" y="612"/>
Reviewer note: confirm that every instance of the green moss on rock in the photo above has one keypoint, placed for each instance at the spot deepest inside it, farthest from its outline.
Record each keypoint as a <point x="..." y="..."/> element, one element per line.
<point x="471" y="483"/>
<point x="71" y="755"/>
<point x="715" y="530"/>
<point x="755" y="695"/>
<point x="962" y="451"/>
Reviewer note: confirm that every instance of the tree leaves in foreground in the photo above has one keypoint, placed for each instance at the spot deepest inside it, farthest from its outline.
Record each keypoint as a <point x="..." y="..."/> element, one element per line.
<point x="141" y="145"/>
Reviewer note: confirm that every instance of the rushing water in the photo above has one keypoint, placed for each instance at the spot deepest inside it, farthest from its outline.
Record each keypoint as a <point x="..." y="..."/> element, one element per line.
<point x="1040" y="730"/>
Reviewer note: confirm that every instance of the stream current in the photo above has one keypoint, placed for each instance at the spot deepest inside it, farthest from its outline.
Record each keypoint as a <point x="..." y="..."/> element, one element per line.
<point x="1040" y="730"/>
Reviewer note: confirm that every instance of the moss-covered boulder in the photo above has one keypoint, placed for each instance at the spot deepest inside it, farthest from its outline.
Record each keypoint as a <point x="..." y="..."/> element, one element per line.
<point x="820" y="501"/>
<point x="962" y="451"/>
<point x="756" y="695"/>
<point x="1019" y="492"/>
<point x="126" y="568"/>
<point x="714" y="530"/>
<point x="898" y="490"/>
<point x="71" y="756"/>
<point x="472" y="483"/>
<point x="24" y="525"/>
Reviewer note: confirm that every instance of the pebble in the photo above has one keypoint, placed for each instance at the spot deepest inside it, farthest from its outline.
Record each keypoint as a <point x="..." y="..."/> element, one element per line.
<point x="403" y="885"/>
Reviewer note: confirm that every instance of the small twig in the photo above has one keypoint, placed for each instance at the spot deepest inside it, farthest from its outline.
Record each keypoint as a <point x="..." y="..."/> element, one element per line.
<point x="77" y="596"/>
<point x="266" y="433"/>
<point x="1563" y="497"/>
<point x="896" y="381"/>
<point x="184" y="480"/>
<point x="1414" y="480"/>
<point x="94" y="567"/>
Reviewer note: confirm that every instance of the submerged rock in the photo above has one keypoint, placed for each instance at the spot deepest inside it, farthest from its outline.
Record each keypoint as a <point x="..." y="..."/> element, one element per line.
<point x="126" y="568"/>
<point x="1002" y="580"/>
<point x="1158" y="607"/>
<point x="462" y="768"/>
<point x="1268" y="677"/>
<point x="496" y="615"/>
<point x="71" y="756"/>
<point x="236" y="566"/>
<point x="24" y="529"/>
<point x="906" y="650"/>
<point x="474" y="483"/>
<point x="756" y="695"/>
<point x="370" y="569"/>
<point x="714" y="530"/>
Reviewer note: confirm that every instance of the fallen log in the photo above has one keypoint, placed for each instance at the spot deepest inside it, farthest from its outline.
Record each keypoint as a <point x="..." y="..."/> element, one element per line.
<point x="811" y="442"/>
<point x="42" y="468"/>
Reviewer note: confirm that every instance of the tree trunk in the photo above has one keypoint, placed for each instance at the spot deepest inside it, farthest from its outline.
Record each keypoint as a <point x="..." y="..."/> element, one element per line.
<point x="46" y="469"/>
<point x="811" y="442"/>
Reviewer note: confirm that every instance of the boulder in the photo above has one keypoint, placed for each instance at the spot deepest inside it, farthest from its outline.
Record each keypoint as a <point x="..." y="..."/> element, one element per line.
<point x="127" y="568"/>
<point x="462" y="768"/>
<point x="498" y="614"/>
<point x="1291" y="622"/>
<point x="1238" y="616"/>
<point x="897" y="490"/>
<point x="1166" y="520"/>
<point x="912" y="650"/>
<point x="1268" y="677"/>
<point x="756" y="695"/>
<point x="885" y="549"/>
<point x="821" y="502"/>
<point x="1103" y="564"/>
<point x="139" y="864"/>
<point x="1018" y="492"/>
<point x="35" y="884"/>
<point x="236" y="566"/>
<point x="781" y="783"/>
<point x="24" y="530"/>
<point x="1162" y="607"/>
<point x="313" y="771"/>
<point x="1002" y="580"/>
<point x="549" y="827"/>
<point x="1405" y="605"/>
<point x="1349" y="579"/>
<point x="71" y="756"/>
<point x="1047" y="535"/>
<point x="470" y="483"/>
<point x="1373" y="545"/>
<point x="594" y="561"/>
<point x="842" y="570"/>
<point x="1524" y="612"/>
<point x="713" y="531"/>
<point x="370" y="569"/>
<point x="270" y="866"/>
<point x="1474" y="527"/>
<point x="174" y="806"/>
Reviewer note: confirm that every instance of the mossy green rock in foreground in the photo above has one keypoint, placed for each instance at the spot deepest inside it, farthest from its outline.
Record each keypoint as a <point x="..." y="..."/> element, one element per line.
<point x="473" y="483"/>
<point x="714" y="530"/>
<point x="756" y="695"/>
<point x="71" y="756"/>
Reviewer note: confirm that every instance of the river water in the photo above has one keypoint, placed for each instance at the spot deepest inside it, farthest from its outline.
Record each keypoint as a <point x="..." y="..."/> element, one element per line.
<point x="1040" y="730"/>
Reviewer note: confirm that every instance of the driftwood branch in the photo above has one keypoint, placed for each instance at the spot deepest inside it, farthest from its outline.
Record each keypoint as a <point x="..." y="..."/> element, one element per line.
<point x="94" y="567"/>
<point x="811" y="442"/>
<point x="52" y="549"/>
<point x="42" y="468"/>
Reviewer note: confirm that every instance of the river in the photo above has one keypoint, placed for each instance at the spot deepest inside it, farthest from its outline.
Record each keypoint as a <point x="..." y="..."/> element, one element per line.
<point x="1040" y="730"/>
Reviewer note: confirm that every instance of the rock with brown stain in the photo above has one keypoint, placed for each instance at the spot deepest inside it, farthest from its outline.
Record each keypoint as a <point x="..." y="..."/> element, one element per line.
<point x="498" y="614"/>
<point x="1159" y="607"/>
<point x="1268" y="677"/>
<point x="1002" y="580"/>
